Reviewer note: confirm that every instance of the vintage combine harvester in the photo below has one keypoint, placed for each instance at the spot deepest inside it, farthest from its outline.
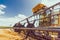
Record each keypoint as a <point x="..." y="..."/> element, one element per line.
<point x="49" y="23"/>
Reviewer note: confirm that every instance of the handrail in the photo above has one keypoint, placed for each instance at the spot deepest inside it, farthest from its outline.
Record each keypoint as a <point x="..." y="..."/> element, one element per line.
<point x="40" y="11"/>
<point x="43" y="18"/>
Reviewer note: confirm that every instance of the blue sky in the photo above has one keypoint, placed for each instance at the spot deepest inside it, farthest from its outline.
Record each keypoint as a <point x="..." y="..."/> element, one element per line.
<point x="15" y="7"/>
<point x="12" y="11"/>
<point x="24" y="7"/>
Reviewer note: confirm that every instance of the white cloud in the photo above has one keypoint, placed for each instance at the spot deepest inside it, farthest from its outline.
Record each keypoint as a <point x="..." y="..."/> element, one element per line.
<point x="50" y="2"/>
<point x="11" y="21"/>
<point x="20" y="16"/>
<point x="2" y="12"/>
<point x="2" y="7"/>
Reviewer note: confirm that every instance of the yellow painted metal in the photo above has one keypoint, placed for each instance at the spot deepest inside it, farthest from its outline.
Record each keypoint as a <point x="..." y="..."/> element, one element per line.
<point x="37" y="7"/>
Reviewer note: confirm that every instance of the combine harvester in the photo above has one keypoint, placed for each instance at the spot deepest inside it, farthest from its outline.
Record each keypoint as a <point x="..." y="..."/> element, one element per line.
<point x="49" y="20"/>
